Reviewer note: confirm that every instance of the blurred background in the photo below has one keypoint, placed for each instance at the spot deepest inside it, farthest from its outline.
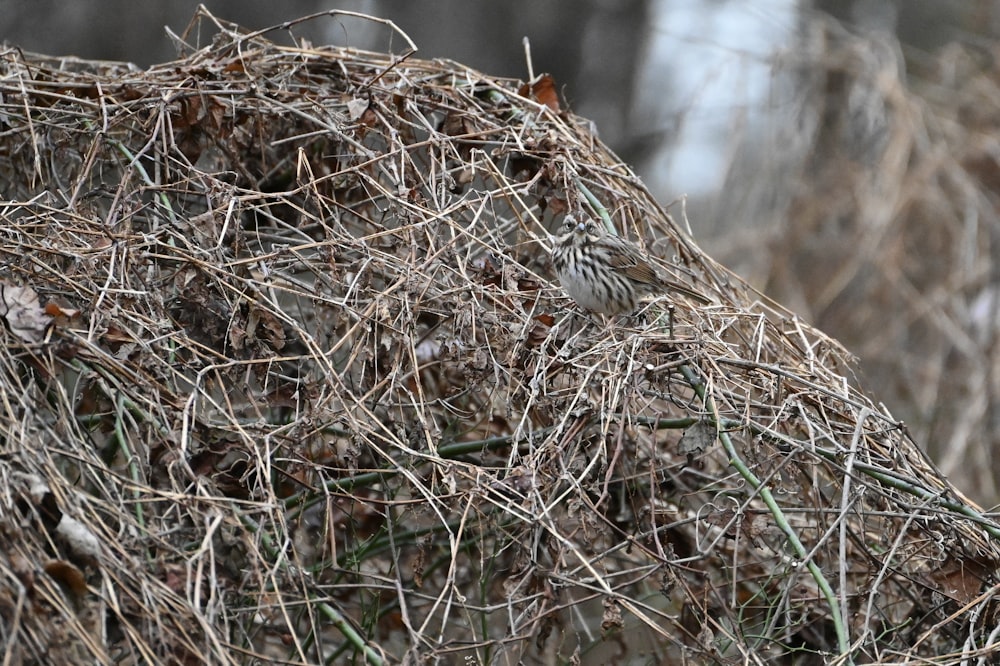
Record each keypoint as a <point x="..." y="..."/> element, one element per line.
<point x="840" y="155"/>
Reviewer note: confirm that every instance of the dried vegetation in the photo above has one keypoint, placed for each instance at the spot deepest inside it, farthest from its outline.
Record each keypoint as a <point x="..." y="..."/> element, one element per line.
<point x="286" y="376"/>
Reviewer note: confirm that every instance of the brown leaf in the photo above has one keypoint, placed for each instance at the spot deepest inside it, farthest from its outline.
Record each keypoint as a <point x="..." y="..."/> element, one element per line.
<point x="697" y="438"/>
<point x="22" y="314"/>
<point x="236" y="66"/>
<point x="61" y="315"/>
<point x="558" y="206"/>
<point x="457" y="124"/>
<point x="543" y="90"/>
<point x="538" y="334"/>
<point x="115" y="335"/>
<point x="189" y="113"/>
<point x="272" y="328"/>
<point x="69" y="577"/>
<point x="612" y="618"/>
<point x="23" y="569"/>
<point x="960" y="579"/>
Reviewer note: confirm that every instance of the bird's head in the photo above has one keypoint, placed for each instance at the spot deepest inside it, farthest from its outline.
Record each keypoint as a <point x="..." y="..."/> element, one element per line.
<point x="579" y="232"/>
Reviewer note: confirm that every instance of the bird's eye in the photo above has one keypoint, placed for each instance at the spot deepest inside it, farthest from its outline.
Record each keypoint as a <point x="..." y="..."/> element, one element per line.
<point x="569" y="224"/>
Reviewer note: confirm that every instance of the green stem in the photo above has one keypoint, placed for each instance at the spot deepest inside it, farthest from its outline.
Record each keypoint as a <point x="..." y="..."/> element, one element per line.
<point x="779" y="517"/>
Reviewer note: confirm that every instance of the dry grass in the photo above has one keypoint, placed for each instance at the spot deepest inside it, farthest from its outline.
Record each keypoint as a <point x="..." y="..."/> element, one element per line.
<point x="879" y="224"/>
<point x="300" y="387"/>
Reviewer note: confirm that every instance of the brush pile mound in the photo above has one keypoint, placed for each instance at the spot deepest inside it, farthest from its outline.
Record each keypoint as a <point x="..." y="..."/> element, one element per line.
<point x="286" y="377"/>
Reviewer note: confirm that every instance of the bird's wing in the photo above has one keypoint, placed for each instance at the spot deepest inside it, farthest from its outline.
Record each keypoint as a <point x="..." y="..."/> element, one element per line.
<point x="634" y="266"/>
<point x="638" y="268"/>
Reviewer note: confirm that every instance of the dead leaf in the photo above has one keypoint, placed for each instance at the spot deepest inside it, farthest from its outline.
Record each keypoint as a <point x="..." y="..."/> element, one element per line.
<point x="612" y="618"/>
<point x="558" y="206"/>
<point x="82" y="541"/>
<point x="457" y="124"/>
<point x="960" y="579"/>
<point x="542" y="90"/>
<point x="272" y="328"/>
<point x="356" y="108"/>
<point x="236" y="66"/>
<point x="69" y="577"/>
<point x="61" y="315"/>
<point x="22" y="314"/>
<point x="697" y="438"/>
<point x="546" y="320"/>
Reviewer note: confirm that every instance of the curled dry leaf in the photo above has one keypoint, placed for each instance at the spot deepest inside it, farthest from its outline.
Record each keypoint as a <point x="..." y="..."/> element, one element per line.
<point x="70" y="578"/>
<point x="356" y="108"/>
<point x="80" y="539"/>
<point x="697" y="438"/>
<point x="22" y="314"/>
<point x="611" y="620"/>
<point x="543" y="90"/>
<point x="61" y="315"/>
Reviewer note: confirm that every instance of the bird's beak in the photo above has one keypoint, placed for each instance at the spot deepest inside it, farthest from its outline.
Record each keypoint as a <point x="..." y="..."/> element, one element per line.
<point x="581" y="227"/>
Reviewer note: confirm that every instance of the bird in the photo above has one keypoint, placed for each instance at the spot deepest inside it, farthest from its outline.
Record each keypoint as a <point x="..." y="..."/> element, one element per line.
<point x="607" y="274"/>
